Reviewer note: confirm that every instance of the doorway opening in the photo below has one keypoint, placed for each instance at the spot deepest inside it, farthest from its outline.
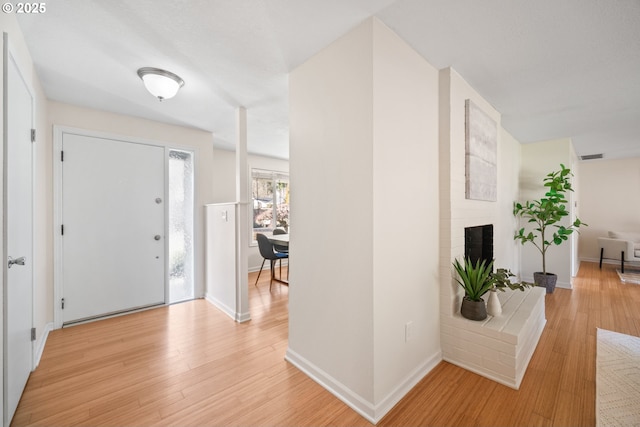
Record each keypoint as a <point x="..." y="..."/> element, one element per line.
<point x="181" y="202"/>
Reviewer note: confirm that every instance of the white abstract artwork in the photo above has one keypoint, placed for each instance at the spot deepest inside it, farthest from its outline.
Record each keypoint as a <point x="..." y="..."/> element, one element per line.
<point x="481" y="139"/>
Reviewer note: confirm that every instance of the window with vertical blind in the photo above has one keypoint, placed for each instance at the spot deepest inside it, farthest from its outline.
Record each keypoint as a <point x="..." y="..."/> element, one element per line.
<point x="270" y="201"/>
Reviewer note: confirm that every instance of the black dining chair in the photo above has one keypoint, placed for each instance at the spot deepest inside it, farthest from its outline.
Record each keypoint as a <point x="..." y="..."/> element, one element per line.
<point x="268" y="253"/>
<point x="280" y="248"/>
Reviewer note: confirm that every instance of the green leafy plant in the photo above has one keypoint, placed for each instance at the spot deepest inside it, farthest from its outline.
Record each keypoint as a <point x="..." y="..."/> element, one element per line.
<point x="477" y="279"/>
<point x="502" y="280"/>
<point x="547" y="212"/>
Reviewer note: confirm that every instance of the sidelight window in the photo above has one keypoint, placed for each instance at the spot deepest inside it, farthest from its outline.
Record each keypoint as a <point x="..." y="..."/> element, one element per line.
<point x="181" y="283"/>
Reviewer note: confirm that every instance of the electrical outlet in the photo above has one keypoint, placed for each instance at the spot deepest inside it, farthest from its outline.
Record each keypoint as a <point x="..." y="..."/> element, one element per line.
<point x="408" y="331"/>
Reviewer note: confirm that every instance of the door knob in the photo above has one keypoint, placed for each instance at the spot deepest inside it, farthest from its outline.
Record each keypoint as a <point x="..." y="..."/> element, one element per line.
<point x="157" y="237"/>
<point x="18" y="261"/>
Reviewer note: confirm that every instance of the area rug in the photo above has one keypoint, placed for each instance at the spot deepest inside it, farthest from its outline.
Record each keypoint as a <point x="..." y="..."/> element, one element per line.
<point x="617" y="379"/>
<point x="630" y="275"/>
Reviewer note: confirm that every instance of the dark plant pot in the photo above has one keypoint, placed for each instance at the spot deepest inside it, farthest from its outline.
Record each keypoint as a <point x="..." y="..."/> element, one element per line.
<point x="546" y="281"/>
<point x="473" y="310"/>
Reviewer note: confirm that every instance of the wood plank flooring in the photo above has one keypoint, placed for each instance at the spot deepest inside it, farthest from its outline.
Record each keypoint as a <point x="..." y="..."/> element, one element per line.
<point x="189" y="364"/>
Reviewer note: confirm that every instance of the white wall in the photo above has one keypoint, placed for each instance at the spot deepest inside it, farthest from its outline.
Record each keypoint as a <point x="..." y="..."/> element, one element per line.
<point x="199" y="142"/>
<point x="364" y="201"/>
<point x="507" y="251"/>
<point x="222" y="270"/>
<point x="574" y="211"/>
<point x="331" y="272"/>
<point x="538" y="159"/>
<point x="405" y="212"/>
<point x="223" y="175"/>
<point x="609" y="201"/>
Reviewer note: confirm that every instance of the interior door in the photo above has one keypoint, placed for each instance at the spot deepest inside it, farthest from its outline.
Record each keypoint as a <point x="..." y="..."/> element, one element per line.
<point x="113" y="225"/>
<point x="18" y="230"/>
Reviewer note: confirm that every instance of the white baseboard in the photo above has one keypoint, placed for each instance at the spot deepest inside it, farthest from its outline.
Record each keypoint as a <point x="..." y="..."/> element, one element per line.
<point x="353" y="400"/>
<point x="611" y="261"/>
<point x="482" y="373"/>
<point x="406" y="385"/>
<point x="238" y="317"/>
<point x="40" y="343"/>
<point x="243" y="317"/>
<point x="371" y="412"/>
<point x="221" y="306"/>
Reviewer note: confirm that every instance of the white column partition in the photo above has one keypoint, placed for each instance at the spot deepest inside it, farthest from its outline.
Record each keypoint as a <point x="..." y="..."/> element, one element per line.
<point x="242" y="224"/>
<point x="364" y="167"/>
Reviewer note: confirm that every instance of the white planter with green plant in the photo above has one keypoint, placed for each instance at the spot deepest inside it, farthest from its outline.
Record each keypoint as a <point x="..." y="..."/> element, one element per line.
<point x="478" y="279"/>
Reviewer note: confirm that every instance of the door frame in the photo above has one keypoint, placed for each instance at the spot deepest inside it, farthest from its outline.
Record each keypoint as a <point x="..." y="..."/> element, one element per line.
<point x="8" y="57"/>
<point x="58" y="261"/>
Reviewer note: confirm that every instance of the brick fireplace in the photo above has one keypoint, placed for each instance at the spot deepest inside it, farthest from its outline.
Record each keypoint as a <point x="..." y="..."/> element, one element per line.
<point x="499" y="347"/>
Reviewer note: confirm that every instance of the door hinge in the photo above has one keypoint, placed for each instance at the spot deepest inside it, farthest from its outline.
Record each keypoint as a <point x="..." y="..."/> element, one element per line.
<point x="33" y="135"/>
<point x="33" y="334"/>
<point x="62" y="156"/>
<point x="62" y="229"/>
<point x="62" y="303"/>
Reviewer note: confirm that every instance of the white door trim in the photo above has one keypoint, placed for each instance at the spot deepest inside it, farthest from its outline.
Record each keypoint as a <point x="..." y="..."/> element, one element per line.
<point x="58" y="133"/>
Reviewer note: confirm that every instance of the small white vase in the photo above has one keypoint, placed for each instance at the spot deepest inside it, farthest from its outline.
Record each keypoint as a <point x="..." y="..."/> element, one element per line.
<point x="494" y="308"/>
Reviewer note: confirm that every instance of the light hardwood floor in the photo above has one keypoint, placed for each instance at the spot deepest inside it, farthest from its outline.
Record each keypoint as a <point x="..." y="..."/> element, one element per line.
<point x="189" y="364"/>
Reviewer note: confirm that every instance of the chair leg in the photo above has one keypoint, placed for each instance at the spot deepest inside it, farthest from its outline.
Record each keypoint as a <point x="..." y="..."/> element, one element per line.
<point x="271" y="262"/>
<point x="263" y="260"/>
<point x="622" y="262"/>
<point x="601" y="254"/>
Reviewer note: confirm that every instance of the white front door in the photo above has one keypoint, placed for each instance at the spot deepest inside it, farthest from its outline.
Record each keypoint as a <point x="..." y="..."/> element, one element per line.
<point x="113" y="226"/>
<point x="19" y="239"/>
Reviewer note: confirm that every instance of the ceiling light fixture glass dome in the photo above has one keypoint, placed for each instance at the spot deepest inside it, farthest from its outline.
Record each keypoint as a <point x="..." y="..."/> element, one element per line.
<point x="160" y="83"/>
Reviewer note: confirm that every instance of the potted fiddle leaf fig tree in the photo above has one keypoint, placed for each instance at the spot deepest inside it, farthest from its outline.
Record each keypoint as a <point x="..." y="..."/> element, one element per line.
<point x="479" y="278"/>
<point x="546" y="214"/>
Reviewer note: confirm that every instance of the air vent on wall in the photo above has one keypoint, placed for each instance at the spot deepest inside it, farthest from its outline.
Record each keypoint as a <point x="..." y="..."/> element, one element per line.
<point x="591" y="156"/>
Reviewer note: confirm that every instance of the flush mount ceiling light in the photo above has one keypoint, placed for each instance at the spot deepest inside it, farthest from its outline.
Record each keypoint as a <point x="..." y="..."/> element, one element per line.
<point x="160" y="83"/>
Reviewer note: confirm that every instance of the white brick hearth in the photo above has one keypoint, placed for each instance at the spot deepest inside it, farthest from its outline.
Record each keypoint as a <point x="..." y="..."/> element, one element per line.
<point x="499" y="347"/>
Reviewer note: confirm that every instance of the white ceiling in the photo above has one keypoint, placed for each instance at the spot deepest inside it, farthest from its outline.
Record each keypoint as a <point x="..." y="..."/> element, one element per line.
<point x="554" y="69"/>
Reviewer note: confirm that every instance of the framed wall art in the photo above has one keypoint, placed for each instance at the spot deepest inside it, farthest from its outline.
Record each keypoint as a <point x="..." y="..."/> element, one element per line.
<point x="481" y="144"/>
